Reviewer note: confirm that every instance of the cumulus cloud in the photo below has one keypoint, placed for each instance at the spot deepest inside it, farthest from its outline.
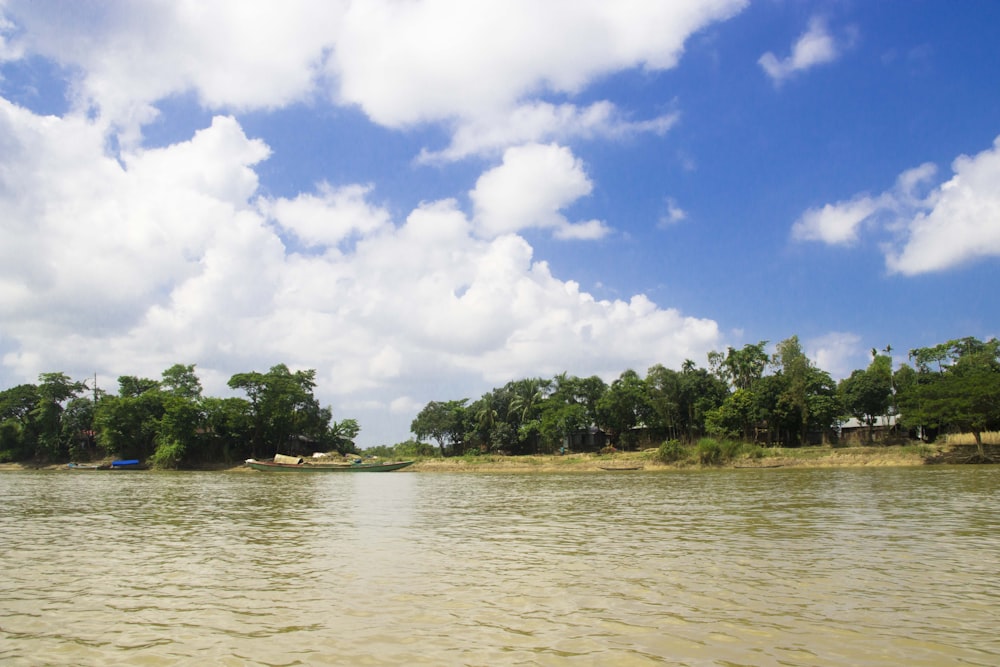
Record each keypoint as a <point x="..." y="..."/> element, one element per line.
<point x="814" y="47"/>
<point x="412" y="63"/>
<point x="484" y="68"/>
<point x="836" y="224"/>
<point x="836" y="353"/>
<point x="127" y="55"/>
<point x="328" y="217"/>
<point x="529" y="189"/>
<point x="541" y="121"/>
<point x="172" y="255"/>
<point x="957" y="221"/>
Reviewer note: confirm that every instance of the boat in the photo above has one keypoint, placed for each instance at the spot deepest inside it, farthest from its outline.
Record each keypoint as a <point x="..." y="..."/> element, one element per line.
<point x="619" y="468"/>
<point x="282" y="464"/>
<point x="123" y="464"/>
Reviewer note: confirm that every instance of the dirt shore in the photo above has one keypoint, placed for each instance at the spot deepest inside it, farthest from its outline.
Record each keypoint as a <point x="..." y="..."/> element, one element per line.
<point x="805" y="457"/>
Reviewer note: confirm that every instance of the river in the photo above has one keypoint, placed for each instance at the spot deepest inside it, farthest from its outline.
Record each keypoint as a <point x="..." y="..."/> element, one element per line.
<point x="886" y="566"/>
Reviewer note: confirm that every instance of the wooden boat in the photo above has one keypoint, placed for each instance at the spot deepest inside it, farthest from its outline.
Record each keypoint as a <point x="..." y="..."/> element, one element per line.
<point x="619" y="468"/>
<point x="304" y="466"/>
<point x="124" y="464"/>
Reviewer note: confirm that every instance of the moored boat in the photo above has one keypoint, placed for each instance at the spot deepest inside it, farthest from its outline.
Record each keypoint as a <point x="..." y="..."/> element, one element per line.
<point x="300" y="465"/>
<point x="123" y="464"/>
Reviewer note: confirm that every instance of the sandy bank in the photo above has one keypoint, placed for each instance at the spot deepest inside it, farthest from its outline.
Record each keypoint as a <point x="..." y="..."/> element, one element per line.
<point x="805" y="457"/>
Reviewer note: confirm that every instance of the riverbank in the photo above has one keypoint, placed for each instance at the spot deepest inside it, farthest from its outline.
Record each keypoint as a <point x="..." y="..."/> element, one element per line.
<point x="802" y="457"/>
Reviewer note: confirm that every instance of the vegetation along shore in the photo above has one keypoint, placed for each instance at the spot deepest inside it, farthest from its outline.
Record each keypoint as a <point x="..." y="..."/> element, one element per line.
<point x="748" y="408"/>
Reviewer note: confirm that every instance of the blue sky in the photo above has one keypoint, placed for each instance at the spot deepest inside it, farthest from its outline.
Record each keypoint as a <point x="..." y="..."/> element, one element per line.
<point x="423" y="200"/>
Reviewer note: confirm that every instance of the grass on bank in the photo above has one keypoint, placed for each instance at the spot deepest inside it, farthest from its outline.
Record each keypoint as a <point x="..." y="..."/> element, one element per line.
<point x="705" y="453"/>
<point x="989" y="438"/>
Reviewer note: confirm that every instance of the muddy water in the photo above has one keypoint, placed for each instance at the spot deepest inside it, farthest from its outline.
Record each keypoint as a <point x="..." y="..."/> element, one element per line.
<point x="884" y="566"/>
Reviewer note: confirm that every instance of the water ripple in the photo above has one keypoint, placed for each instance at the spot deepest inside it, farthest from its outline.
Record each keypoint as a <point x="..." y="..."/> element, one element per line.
<point x="769" y="567"/>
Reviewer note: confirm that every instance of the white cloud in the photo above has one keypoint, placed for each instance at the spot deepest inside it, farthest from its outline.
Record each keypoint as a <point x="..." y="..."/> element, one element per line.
<point x="485" y="68"/>
<point x="960" y="221"/>
<point x="836" y="353"/>
<point x="531" y="187"/>
<point x="957" y="222"/>
<point x="673" y="214"/>
<point x="329" y="218"/>
<point x="435" y="59"/>
<point x="541" y="121"/>
<point x="232" y="54"/>
<point x="814" y="47"/>
<point x="836" y="224"/>
<point x="170" y="256"/>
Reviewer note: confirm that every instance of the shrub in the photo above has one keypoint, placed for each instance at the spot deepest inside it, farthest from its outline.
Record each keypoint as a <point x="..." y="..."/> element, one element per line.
<point x="168" y="454"/>
<point x="731" y="449"/>
<point x="709" y="451"/>
<point x="671" y="451"/>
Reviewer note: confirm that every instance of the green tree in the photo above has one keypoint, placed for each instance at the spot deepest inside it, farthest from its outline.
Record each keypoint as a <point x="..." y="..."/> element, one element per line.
<point x="282" y="405"/>
<point x="681" y="400"/>
<point x="443" y="421"/>
<point x="180" y="381"/>
<point x="624" y="407"/>
<point x="127" y="424"/>
<point x="342" y="435"/>
<point x="808" y="395"/>
<point x="177" y="431"/>
<point x="569" y="407"/>
<point x="867" y="395"/>
<point x="77" y="424"/>
<point x="525" y="411"/>
<point x="18" y="431"/>
<point x="229" y="429"/>
<point x="736" y="417"/>
<point x="964" y="391"/>
<point x="54" y="391"/>
<point x="740" y="368"/>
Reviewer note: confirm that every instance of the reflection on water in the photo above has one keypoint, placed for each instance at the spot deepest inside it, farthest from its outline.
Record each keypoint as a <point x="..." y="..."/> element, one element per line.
<point x="736" y="567"/>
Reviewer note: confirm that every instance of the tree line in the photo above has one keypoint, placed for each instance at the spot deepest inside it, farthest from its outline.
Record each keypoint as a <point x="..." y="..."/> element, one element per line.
<point x="780" y="399"/>
<point x="169" y="422"/>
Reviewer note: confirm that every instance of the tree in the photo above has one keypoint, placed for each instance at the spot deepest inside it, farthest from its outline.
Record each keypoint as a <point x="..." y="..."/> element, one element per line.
<point x="867" y="395"/>
<point x="343" y="433"/>
<point x="18" y="432"/>
<point x="229" y="429"/>
<point x="130" y="386"/>
<point x="127" y="424"/>
<point x="808" y="396"/>
<point x="444" y="422"/>
<point x="282" y="405"/>
<point x="180" y="380"/>
<point x="496" y="424"/>
<point x="680" y="400"/>
<point x="624" y="407"/>
<point x="54" y="390"/>
<point x="525" y="410"/>
<point x="740" y="368"/>
<point x="569" y="408"/>
<point x="964" y="391"/>
<point x="177" y="431"/>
